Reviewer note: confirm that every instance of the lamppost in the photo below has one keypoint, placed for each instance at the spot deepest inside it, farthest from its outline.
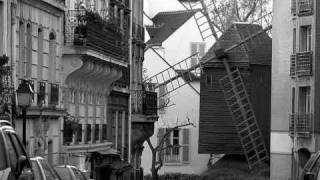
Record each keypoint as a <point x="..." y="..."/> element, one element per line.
<point x="24" y="93"/>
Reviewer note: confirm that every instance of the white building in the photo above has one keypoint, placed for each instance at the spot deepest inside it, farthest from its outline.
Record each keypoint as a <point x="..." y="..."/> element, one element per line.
<point x="175" y="36"/>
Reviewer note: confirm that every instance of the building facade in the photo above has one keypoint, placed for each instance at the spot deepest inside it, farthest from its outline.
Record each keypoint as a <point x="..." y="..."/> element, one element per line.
<point x="295" y="77"/>
<point x="168" y="38"/>
<point x="76" y="55"/>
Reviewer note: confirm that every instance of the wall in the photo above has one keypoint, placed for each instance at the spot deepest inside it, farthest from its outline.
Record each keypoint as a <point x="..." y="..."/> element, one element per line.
<point x="281" y="91"/>
<point x="185" y="100"/>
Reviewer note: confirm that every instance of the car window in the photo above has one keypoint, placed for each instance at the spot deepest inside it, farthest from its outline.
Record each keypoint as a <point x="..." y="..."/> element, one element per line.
<point x="36" y="170"/>
<point x="48" y="171"/>
<point x="78" y="174"/>
<point x="17" y="145"/>
<point x="64" y="173"/>
<point x="11" y="151"/>
<point x="3" y="162"/>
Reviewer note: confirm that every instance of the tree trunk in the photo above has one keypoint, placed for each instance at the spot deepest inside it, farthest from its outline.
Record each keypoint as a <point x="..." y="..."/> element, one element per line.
<point x="154" y="172"/>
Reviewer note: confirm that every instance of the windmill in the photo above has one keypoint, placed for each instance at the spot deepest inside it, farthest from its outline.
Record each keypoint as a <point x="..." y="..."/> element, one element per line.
<point x="232" y="85"/>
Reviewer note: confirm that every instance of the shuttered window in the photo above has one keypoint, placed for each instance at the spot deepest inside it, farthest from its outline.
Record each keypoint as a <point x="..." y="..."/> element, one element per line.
<point x="21" y="64"/>
<point x="40" y="53"/>
<point x="29" y="51"/>
<point x="52" y="58"/>
<point x="178" y="139"/>
<point x="185" y="145"/>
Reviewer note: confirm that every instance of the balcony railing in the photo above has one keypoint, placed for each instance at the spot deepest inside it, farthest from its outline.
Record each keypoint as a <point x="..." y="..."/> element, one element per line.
<point x="301" y="64"/>
<point x="294" y="7"/>
<point x="97" y="30"/>
<point x="144" y="102"/>
<point x="305" y="7"/>
<point x="293" y="59"/>
<point x="301" y="124"/>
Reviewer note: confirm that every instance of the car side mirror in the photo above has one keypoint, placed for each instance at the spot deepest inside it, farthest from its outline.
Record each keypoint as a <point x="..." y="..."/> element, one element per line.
<point x="309" y="176"/>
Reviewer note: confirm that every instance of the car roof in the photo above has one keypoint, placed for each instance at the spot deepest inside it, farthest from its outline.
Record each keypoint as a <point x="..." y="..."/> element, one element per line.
<point x="5" y="123"/>
<point x="66" y="166"/>
<point x="36" y="158"/>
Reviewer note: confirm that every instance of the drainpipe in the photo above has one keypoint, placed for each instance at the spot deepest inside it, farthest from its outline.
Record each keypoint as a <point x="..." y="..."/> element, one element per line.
<point x="131" y="79"/>
<point x="13" y="53"/>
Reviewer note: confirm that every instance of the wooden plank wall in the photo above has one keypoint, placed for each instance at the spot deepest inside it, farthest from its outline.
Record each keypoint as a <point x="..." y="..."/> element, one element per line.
<point x="217" y="133"/>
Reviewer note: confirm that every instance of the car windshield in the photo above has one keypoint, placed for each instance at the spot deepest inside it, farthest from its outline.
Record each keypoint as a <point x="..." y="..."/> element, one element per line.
<point x="3" y="163"/>
<point x="36" y="170"/>
<point x="49" y="172"/>
<point x="63" y="173"/>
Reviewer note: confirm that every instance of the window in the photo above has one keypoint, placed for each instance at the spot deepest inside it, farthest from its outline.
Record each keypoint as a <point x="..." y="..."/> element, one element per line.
<point x="293" y="100"/>
<point x="197" y="47"/>
<point x="40" y="53"/>
<point x="21" y="64"/>
<point x="48" y="171"/>
<point x="294" y="42"/>
<point x="54" y="94"/>
<point x="304" y="99"/>
<point x="13" y="156"/>
<point x="52" y="57"/>
<point x="41" y="93"/>
<point x="305" y="38"/>
<point x="177" y="144"/>
<point x="78" y="175"/>
<point x="3" y="162"/>
<point x="88" y="133"/>
<point x="37" y="171"/>
<point x="29" y="51"/>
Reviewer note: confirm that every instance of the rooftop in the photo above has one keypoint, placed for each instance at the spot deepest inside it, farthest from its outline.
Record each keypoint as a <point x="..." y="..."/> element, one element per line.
<point x="166" y="23"/>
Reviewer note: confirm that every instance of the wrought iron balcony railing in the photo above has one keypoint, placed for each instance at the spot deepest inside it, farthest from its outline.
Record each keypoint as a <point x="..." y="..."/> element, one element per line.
<point x="301" y="64"/>
<point x="144" y="102"/>
<point x="294" y="7"/>
<point x="293" y="59"/>
<point x="98" y="30"/>
<point x="301" y="124"/>
<point x="305" y="7"/>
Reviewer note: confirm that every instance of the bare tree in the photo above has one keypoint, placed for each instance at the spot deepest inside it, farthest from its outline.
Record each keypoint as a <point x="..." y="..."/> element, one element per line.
<point x="224" y="12"/>
<point x="158" y="150"/>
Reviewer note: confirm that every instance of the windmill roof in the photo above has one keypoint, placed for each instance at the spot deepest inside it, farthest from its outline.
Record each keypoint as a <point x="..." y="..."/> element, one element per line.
<point x="255" y="51"/>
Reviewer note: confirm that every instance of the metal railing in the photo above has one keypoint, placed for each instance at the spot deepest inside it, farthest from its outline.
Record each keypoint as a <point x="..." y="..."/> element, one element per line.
<point x="99" y="30"/>
<point x="301" y="124"/>
<point x="294" y="7"/>
<point x="305" y="7"/>
<point x="144" y="102"/>
<point x="301" y="64"/>
<point x="304" y="64"/>
<point x="293" y="59"/>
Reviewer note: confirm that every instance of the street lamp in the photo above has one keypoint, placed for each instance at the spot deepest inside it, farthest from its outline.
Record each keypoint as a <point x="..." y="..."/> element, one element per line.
<point x="24" y="93"/>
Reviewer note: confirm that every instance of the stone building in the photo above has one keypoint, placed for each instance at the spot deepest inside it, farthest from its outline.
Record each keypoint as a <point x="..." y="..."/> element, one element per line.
<point x="76" y="56"/>
<point x="295" y="86"/>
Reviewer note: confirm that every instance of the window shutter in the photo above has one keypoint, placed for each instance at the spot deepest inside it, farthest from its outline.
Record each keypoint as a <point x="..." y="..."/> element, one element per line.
<point x="194" y="49"/>
<point x="185" y="146"/>
<point x="202" y="47"/>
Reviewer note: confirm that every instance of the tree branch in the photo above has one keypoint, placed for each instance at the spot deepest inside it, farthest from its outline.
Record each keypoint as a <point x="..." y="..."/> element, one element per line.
<point x="150" y="145"/>
<point x="252" y="10"/>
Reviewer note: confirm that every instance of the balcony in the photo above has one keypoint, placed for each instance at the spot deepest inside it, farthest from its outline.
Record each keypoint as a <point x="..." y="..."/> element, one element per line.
<point x="144" y="102"/>
<point x="305" y="7"/>
<point x="301" y="64"/>
<point x="97" y="30"/>
<point x="294" y="7"/>
<point x="301" y="125"/>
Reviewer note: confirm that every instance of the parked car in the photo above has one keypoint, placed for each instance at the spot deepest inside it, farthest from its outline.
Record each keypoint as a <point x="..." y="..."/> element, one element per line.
<point x="68" y="172"/>
<point x="14" y="162"/>
<point x="311" y="170"/>
<point x="42" y="170"/>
